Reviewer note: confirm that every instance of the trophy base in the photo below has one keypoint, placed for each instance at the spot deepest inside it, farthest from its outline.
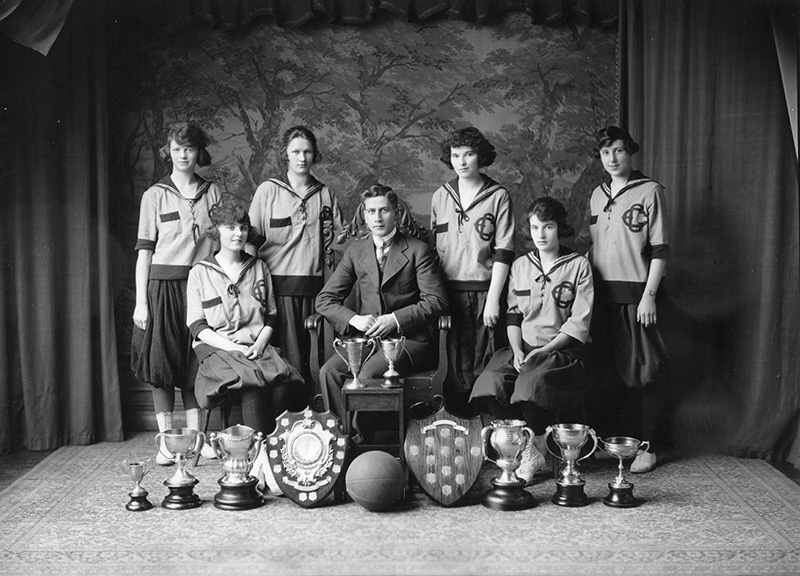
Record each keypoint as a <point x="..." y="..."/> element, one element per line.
<point x="353" y="385"/>
<point x="138" y="503"/>
<point x="391" y="382"/>
<point x="181" y="497"/>
<point x="238" y="496"/>
<point x="570" y="495"/>
<point x="508" y="497"/>
<point x="621" y="497"/>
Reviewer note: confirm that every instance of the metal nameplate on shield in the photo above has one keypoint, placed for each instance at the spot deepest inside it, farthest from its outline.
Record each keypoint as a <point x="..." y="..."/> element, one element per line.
<point x="307" y="453"/>
<point x="444" y="453"/>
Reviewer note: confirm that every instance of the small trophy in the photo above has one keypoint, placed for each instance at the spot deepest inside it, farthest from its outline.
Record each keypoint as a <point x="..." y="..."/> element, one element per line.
<point x="180" y="445"/>
<point x="137" y="470"/>
<point x="237" y="447"/>
<point x="570" y="438"/>
<point x="392" y="348"/>
<point x="620" y="491"/>
<point x="354" y="356"/>
<point x="503" y="443"/>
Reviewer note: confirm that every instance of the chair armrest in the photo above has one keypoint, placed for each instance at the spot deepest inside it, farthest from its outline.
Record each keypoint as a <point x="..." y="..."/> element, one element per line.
<point x="314" y="325"/>
<point x="437" y="383"/>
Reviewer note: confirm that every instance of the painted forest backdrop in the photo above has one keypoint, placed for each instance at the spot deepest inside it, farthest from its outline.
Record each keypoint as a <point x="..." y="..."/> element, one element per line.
<point x="379" y="96"/>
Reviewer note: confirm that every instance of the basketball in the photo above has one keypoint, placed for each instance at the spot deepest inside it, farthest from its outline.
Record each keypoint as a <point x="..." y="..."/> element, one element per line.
<point x="375" y="480"/>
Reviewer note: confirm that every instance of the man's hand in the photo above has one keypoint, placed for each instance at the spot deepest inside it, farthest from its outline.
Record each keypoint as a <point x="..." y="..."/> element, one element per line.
<point x="491" y="313"/>
<point x="382" y="327"/>
<point x="140" y="316"/>
<point x="362" y="323"/>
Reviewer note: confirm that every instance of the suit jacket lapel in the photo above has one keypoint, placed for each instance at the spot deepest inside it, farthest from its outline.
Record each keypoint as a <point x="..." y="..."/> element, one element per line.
<point x="396" y="258"/>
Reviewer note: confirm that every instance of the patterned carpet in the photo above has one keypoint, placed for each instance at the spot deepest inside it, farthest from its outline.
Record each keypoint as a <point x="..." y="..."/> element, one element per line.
<point x="703" y="515"/>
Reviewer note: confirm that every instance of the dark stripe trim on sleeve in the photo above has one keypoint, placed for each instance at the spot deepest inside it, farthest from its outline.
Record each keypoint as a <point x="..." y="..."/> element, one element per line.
<point x="198" y="326"/>
<point x="592" y="219"/>
<point x="145" y="244"/>
<point x="504" y="256"/>
<point x="211" y="303"/>
<point x="442" y="228"/>
<point x="522" y="292"/>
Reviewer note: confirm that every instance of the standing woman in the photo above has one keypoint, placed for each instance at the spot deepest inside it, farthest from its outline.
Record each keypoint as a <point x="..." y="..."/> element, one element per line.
<point x="173" y="214"/>
<point x="295" y="219"/>
<point x="473" y="221"/>
<point x="629" y="255"/>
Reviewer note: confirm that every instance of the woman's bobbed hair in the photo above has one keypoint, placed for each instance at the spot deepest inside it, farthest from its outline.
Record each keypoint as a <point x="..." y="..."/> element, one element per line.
<point x="610" y="134"/>
<point x="187" y="134"/>
<point x="473" y="138"/>
<point x="228" y="211"/>
<point x="300" y="132"/>
<point x="548" y="209"/>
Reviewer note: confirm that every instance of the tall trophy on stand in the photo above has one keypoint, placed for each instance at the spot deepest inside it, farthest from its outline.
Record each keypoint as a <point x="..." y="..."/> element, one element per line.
<point x="237" y="447"/>
<point x="180" y="445"/>
<point x="620" y="491"/>
<point x="351" y="350"/>
<point x="570" y="438"/>
<point x="137" y="470"/>
<point x="392" y="348"/>
<point x="503" y="443"/>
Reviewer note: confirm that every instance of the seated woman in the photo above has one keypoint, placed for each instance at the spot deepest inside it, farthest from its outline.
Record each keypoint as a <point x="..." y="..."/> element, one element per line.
<point x="231" y="313"/>
<point x="550" y="296"/>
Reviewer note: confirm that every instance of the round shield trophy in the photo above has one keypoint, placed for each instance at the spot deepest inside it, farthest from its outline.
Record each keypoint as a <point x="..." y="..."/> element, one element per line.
<point x="237" y="447"/>
<point x="620" y="491"/>
<point x="503" y="443"/>
<point x="180" y="445"/>
<point x="351" y="350"/>
<point x="391" y="348"/>
<point x="137" y="469"/>
<point x="570" y="438"/>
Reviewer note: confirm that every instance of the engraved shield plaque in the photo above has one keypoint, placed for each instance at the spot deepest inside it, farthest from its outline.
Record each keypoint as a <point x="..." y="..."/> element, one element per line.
<point x="306" y="453"/>
<point x="444" y="453"/>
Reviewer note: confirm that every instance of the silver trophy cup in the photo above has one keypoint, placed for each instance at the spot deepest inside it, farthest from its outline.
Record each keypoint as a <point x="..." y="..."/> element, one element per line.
<point x="352" y="351"/>
<point x="137" y="470"/>
<point x="180" y="445"/>
<point x="237" y="447"/>
<point x="570" y="438"/>
<point x="392" y="348"/>
<point x="503" y="443"/>
<point x="620" y="491"/>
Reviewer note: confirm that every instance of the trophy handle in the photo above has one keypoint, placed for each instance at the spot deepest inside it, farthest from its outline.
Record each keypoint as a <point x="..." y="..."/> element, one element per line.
<point x="252" y="454"/>
<point x="528" y="433"/>
<point x="645" y="445"/>
<point x="198" y="443"/>
<point x="486" y="433"/>
<point x="213" y="439"/>
<point x="547" y="433"/>
<point x="337" y="343"/>
<point x="594" y="448"/>
<point x="374" y="348"/>
<point x="158" y="447"/>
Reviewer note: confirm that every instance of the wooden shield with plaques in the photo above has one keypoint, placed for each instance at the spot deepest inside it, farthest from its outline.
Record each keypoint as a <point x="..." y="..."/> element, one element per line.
<point x="444" y="453"/>
<point x="306" y="453"/>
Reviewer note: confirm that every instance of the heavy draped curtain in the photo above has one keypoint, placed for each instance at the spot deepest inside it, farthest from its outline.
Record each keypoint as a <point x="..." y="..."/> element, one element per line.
<point x="701" y="89"/>
<point x="58" y="364"/>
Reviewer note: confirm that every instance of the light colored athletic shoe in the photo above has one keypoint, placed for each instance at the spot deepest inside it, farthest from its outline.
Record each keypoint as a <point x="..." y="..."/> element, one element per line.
<point x="644" y="462"/>
<point x="532" y="462"/>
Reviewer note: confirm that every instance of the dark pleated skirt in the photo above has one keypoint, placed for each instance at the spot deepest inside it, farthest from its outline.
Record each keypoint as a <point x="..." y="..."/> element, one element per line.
<point x="161" y="355"/>
<point x="470" y="344"/>
<point x="556" y="381"/>
<point x="222" y="372"/>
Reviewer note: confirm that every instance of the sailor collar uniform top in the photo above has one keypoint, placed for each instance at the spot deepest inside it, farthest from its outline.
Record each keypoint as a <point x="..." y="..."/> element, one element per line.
<point x="628" y="230"/>
<point x="173" y="227"/>
<point x="293" y="233"/>
<point x="545" y="302"/>
<point x="469" y="239"/>
<point x="234" y="308"/>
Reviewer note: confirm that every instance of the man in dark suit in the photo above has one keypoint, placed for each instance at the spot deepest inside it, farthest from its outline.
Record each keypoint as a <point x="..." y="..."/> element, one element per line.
<point x="399" y="292"/>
